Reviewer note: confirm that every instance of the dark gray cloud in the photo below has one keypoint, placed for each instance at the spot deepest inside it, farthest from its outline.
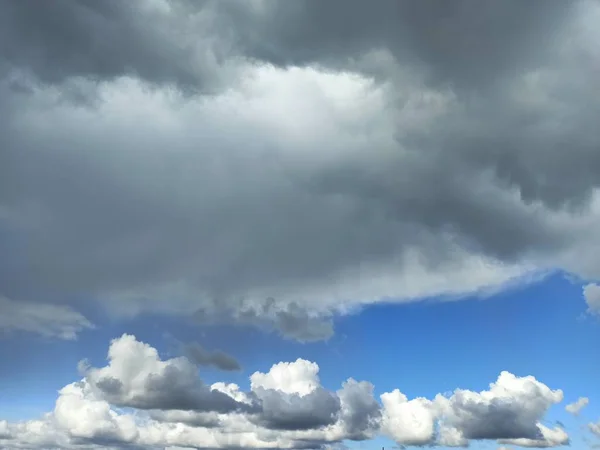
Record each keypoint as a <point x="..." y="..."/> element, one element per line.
<point x="196" y="353"/>
<point x="106" y="40"/>
<point x="291" y="320"/>
<point x="360" y="412"/>
<point x="291" y="411"/>
<point x="466" y="43"/>
<point x="499" y="420"/>
<point x="167" y="393"/>
<point x="302" y="181"/>
<point x="110" y="386"/>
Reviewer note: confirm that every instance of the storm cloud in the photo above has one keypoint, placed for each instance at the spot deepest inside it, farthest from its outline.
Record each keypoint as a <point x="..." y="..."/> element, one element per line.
<point x="277" y="164"/>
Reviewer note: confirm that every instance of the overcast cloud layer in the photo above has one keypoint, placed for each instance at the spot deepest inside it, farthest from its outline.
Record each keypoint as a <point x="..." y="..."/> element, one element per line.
<point x="278" y="163"/>
<point x="286" y="407"/>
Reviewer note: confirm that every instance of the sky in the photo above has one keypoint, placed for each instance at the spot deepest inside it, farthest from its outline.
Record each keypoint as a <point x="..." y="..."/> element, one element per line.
<point x="331" y="225"/>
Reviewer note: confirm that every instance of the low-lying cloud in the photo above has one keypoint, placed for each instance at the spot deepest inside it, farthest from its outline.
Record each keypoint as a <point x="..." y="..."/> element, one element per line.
<point x="167" y="404"/>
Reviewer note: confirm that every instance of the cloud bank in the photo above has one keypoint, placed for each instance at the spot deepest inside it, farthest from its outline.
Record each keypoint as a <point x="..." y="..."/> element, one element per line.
<point x="280" y="164"/>
<point x="139" y="400"/>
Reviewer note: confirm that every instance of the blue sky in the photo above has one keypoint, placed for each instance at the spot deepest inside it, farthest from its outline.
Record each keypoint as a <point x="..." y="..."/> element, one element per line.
<point x="299" y="225"/>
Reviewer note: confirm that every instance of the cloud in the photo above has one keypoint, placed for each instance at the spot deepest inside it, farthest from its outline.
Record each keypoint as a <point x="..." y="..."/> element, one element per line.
<point x="292" y="397"/>
<point x="510" y="409"/>
<point x="576" y="407"/>
<point x="595" y="428"/>
<point x="283" y="411"/>
<point x="276" y="166"/>
<point x="84" y="38"/>
<point x="300" y="377"/>
<point x="136" y="401"/>
<point x="290" y="319"/>
<point x="90" y="419"/>
<point x="52" y="321"/>
<point x="591" y="294"/>
<point x="199" y="355"/>
<point x="360" y="413"/>
<point x="136" y="377"/>
<point x="298" y="34"/>
<point x="549" y="437"/>
<point x="451" y="437"/>
<point x="408" y="422"/>
<point x="445" y="41"/>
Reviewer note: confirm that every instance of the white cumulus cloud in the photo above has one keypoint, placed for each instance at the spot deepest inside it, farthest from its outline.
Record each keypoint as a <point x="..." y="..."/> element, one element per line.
<point x="140" y="400"/>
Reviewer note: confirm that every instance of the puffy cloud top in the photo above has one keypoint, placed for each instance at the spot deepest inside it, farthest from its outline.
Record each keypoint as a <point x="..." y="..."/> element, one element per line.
<point x="140" y="400"/>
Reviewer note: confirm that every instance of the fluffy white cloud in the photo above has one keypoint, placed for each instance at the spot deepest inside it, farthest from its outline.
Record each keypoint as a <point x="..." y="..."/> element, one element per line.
<point x="510" y="409"/>
<point x="408" y="422"/>
<point x="142" y="401"/>
<point x="578" y="405"/>
<point x="136" y="377"/>
<point x="85" y="417"/>
<point x="591" y="293"/>
<point x="300" y="377"/>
